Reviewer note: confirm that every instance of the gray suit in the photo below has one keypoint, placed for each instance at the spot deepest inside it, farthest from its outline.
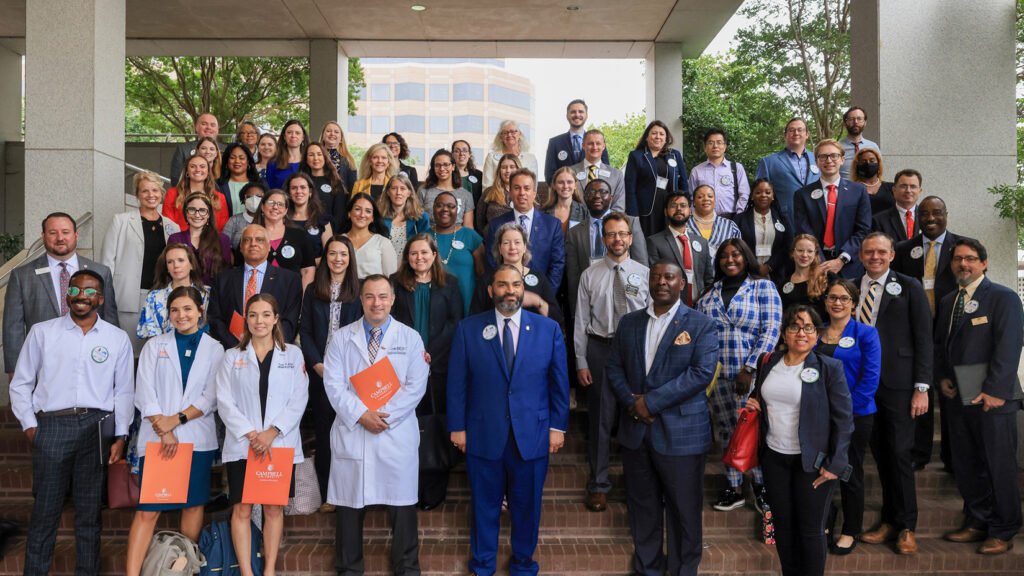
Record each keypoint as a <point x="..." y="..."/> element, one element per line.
<point x="31" y="299"/>
<point x="614" y="179"/>
<point x="578" y="248"/>
<point x="665" y="246"/>
<point x="182" y="152"/>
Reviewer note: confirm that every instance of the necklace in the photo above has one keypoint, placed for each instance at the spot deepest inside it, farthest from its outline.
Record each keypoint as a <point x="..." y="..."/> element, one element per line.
<point x="707" y="222"/>
<point x="451" y="247"/>
<point x="874" y="182"/>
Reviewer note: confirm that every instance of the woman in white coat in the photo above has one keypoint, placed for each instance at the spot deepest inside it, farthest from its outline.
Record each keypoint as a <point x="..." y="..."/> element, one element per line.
<point x="174" y="391"/>
<point x="262" y="390"/>
<point x="131" y="247"/>
<point x="375" y="454"/>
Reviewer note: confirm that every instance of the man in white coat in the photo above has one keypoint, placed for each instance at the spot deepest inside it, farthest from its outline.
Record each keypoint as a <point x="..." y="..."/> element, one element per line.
<point x="375" y="454"/>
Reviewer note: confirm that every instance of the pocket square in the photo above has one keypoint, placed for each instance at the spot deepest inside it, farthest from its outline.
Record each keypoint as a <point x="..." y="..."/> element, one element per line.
<point x="683" y="338"/>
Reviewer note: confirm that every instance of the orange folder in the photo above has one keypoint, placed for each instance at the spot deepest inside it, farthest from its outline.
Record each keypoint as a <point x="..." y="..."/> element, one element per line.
<point x="165" y="481"/>
<point x="377" y="384"/>
<point x="267" y="482"/>
<point x="237" y="322"/>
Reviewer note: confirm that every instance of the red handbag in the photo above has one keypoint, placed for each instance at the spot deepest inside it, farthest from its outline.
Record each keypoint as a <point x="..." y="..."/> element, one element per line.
<point x="742" y="451"/>
<point x="122" y="486"/>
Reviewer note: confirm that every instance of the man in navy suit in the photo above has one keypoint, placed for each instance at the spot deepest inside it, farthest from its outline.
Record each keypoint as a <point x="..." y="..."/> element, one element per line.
<point x="508" y="408"/>
<point x="791" y="168"/>
<point x="978" y="337"/>
<point x="834" y="210"/>
<point x="567" y="149"/>
<point x="544" y="231"/>
<point x="663" y="358"/>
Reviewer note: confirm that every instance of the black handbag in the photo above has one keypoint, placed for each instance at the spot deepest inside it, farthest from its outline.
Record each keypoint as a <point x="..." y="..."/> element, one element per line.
<point x="436" y="451"/>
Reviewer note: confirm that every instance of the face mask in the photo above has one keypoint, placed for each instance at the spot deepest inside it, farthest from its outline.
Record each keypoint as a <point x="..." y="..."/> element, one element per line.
<point x="252" y="203"/>
<point x="867" y="170"/>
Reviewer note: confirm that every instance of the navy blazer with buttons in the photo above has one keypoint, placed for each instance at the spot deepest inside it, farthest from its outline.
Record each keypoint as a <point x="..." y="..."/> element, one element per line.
<point x="826" y="414"/>
<point x="641" y="179"/>
<point x="674" y="389"/>
<point x="904" y="325"/>
<point x="547" y="244"/>
<point x="228" y="290"/>
<point x="906" y="263"/>
<point x="560" y="143"/>
<point x="315" y="324"/>
<point x="445" y="313"/>
<point x="852" y="219"/>
<point x="862" y="362"/>
<point x="781" y="246"/>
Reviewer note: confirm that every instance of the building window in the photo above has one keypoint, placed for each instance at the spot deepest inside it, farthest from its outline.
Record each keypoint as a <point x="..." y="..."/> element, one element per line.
<point x="380" y="125"/>
<point x="438" y="92"/>
<point x="417" y="156"/>
<point x="508" y="97"/>
<point x="468" y="91"/>
<point x="411" y="124"/>
<point x="361" y="93"/>
<point x="469" y="124"/>
<point x="409" y="91"/>
<point x="438" y="124"/>
<point x="357" y="124"/>
<point x="380" y="92"/>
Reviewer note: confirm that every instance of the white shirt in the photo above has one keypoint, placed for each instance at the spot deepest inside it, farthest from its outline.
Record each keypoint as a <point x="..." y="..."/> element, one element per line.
<point x="656" y="329"/>
<point x="595" y="311"/>
<point x="764" y="236"/>
<point x="529" y="220"/>
<point x="865" y="284"/>
<point x="72" y="266"/>
<point x="513" y="326"/>
<point x="60" y="368"/>
<point x="781" y="393"/>
<point x="825" y="185"/>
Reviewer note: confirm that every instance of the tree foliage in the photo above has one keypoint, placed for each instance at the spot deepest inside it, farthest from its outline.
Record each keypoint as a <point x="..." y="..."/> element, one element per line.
<point x="1011" y="196"/>
<point x="621" y="137"/>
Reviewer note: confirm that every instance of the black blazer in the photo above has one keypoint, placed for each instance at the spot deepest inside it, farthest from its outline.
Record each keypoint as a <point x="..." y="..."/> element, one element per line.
<point x="314" y="324"/>
<point x="445" y="313"/>
<point x="992" y="334"/>
<point x="409" y="171"/>
<point x="906" y="263"/>
<point x="226" y="298"/>
<point x="882" y="199"/>
<point x="826" y="414"/>
<point x="889" y="221"/>
<point x="780" y="247"/>
<point x="904" y="327"/>
<point x="563" y="143"/>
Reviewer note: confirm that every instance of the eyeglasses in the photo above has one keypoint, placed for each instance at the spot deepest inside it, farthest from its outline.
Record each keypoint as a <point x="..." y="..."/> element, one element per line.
<point x="968" y="259"/>
<point x="74" y="291"/>
<point x="715" y="143"/>
<point x="445" y="166"/>
<point x="833" y="299"/>
<point x="509" y="132"/>
<point x="612" y="235"/>
<point x="796" y="328"/>
<point x="909" y="187"/>
<point x="833" y="156"/>
<point x="795" y="130"/>
<point x="460" y="151"/>
<point x="197" y="211"/>
<point x="275" y="204"/>
<point x="246" y="133"/>
<point x="445" y="206"/>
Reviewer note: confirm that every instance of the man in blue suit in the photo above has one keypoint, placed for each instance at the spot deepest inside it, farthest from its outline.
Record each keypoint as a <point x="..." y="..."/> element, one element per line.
<point x="544" y="231"/>
<point x="836" y="211"/>
<point x="663" y="358"/>
<point x="508" y="408"/>
<point x="567" y="149"/>
<point x="791" y="168"/>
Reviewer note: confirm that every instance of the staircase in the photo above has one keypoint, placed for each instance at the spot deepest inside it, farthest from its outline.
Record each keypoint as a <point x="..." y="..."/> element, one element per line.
<point x="573" y="541"/>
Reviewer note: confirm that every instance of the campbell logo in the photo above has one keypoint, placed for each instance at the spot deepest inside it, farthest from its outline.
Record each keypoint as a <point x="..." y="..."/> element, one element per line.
<point x="383" y="389"/>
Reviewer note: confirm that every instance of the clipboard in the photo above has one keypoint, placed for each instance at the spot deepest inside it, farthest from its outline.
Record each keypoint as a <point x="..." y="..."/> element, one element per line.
<point x="166" y="481"/>
<point x="377" y="384"/>
<point x="970" y="378"/>
<point x="268" y="482"/>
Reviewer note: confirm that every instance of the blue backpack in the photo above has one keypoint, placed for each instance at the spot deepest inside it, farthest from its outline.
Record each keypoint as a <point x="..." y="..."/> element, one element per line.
<point x="215" y="544"/>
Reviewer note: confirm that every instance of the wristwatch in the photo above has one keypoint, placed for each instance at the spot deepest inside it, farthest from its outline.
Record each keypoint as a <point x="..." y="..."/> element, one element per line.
<point x="182" y="419"/>
<point x="921" y="387"/>
<point x="748" y="370"/>
<point x="845" y="258"/>
<point x="278" y="430"/>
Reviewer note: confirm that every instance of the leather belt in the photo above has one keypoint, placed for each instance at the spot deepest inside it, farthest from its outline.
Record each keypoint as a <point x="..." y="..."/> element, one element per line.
<point x="66" y="412"/>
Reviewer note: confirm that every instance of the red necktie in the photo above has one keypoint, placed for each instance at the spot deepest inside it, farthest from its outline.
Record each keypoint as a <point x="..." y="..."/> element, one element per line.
<point x="910" y="224"/>
<point x="687" y="266"/>
<point x="830" y="235"/>
<point x="856" y="147"/>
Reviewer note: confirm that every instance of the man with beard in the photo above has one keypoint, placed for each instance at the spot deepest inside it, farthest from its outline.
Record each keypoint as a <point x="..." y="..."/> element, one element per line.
<point x="855" y="120"/>
<point x="73" y="372"/>
<point x="609" y="289"/>
<point x="37" y="289"/>
<point x="508" y="408"/>
<point x="689" y="250"/>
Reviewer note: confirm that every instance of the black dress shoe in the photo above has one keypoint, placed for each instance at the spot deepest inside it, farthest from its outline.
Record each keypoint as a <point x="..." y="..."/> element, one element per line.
<point x="836" y="550"/>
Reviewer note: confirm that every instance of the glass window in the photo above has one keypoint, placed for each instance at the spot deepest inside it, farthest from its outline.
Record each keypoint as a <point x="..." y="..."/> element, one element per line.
<point x="357" y="124"/>
<point x="380" y="125"/>
<point x="410" y="124"/>
<point x="417" y="156"/>
<point x="361" y="92"/>
<point x="409" y="91"/>
<point x="380" y="92"/>
<point x="438" y="124"/>
<point x="438" y="92"/>
<point x="508" y="97"/>
<point x="468" y="124"/>
<point x="468" y="91"/>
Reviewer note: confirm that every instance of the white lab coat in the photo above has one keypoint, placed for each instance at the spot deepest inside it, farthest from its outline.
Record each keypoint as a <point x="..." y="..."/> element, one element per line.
<point x="238" y="399"/>
<point x="158" y="390"/>
<point x="367" y="468"/>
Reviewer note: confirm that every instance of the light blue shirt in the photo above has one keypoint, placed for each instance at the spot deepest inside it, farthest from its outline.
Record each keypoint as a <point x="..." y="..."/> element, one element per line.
<point x="848" y="147"/>
<point x="528" y="224"/>
<point x="261" y="272"/>
<point x="367" y="327"/>
<point x="726" y="202"/>
<point x="801" y="163"/>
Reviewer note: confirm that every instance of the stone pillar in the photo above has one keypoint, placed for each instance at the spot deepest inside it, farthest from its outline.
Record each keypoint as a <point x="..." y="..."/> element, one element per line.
<point x="74" y="113"/>
<point x="328" y="85"/>
<point x="664" y="74"/>
<point x="938" y="82"/>
<point x="10" y="130"/>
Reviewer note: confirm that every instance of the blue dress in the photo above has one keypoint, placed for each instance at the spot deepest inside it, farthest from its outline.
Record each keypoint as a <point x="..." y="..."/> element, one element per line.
<point x="456" y="253"/>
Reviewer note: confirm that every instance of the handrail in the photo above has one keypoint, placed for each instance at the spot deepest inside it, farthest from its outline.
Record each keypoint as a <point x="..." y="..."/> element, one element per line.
<point x="136" y="169"/>
<point x="32" y="252"/>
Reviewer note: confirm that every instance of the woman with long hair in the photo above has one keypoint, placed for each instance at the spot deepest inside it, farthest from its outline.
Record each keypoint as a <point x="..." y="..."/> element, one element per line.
<point x="237" y="169"/>
<point x="207" y="148"/>
<point x="508" y="140"/>
<point x="496" y="200"/>
<point x="369" y="235"/>
<point x="472" y="177"/>
<point x="306" y="212"/>
<point x="333" y="139"/>
<point x="266" y="148"/>
<point x="212" y="248"/>
<point x="401" y="210"/>
<point x="400" y="150"/>
<point x="809" y="281"/>
<point x="326" y="181"/>
<point x="176" y="266"/>
<point x="290" y="146"/>
<point x="564" y="201"/>
<point x="195" y="177"/>
<point x="653" y="171"/>
<point x="375" y="170"/>
<point x="512" y="247"/>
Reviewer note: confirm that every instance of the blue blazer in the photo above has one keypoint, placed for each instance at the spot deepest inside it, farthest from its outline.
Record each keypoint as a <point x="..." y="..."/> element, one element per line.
<point x="674" y="389"/>
<point x="557" y="144"/>
<point x="641" y="179"/>
<point x="547" y="244"/>
<point x="862" y="362"/>
<point x="852" y="220"/>
<point x="826" y="415"/>
<point x="780" y="172"/>
<point x="484" y="399"/>
<point x="412" y="227"/>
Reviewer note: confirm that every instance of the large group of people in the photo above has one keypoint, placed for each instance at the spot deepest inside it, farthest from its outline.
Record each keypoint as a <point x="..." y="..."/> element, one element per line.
<point x="278" y="268"/>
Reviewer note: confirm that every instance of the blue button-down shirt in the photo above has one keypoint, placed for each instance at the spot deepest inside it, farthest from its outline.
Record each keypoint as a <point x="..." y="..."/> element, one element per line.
<point x="260" y="270"/>
<point x="801" y="163"/>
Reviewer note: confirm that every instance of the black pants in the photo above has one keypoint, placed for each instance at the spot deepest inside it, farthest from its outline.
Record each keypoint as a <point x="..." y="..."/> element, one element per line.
<point x="799" y="511"/>
<point x="924" y="431"/>
<point x="405" y="542"/>
<point x="433" y="485"/>
<point x="323" y="419"/>
<point x="853" y="489"/>
<point x="602" y="410"/>
<point x="892" y="439"/>
<point x="65" y="450"/>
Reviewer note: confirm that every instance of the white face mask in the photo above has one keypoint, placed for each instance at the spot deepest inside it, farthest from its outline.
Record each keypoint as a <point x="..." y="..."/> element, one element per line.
<point x="252" y="203"/>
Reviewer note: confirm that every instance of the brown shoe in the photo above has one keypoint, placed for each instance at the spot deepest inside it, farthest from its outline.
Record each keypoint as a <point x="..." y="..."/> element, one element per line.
<point x="880" y="535"/>
<point x="965" y="534"/>
<point x="905" y="542"/>
<point x="597" y="502"/>
<point x="994" y="546"/>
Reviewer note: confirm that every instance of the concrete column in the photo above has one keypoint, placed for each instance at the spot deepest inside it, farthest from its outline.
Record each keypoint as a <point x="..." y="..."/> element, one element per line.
<point x="328" y="85"/>
<point x="74" y="113"/>
<point x="664" y="75"/>
<point x="10" y="130"/>
<point x="938" y="81"/>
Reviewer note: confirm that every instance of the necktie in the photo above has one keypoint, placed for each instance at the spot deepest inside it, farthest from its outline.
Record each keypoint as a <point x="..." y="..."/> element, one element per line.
<point x="374" y="344"/>
<point x="867" y="309"/>
<point x="250" y="287"/>
<point x="508" y="346"/>
<point x="592" y="173"/>
<point x="856" y="147"/>
<point x="65" y="281"/>
<point x="830" y="235"/>
<point x="598" y="252"/>
<point x="910" y="224"/>
<point x="958" y="310"/>
<point x="522" y="222"/>
<point x="576" y="148"/>
<point x="687" y="266"/>
<point x="619" y="308"/>
<point x="929" y="274"/>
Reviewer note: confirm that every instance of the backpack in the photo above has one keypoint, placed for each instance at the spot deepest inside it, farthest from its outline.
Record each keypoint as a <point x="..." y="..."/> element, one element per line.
<point x="172" y="554"/>
<point x="215" y="544"/>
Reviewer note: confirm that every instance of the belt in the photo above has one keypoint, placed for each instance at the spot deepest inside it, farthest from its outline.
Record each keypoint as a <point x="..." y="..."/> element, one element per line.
<point x="67" y="412"/>
<point x="831" y="253"/>
<point x="601" y="339"/>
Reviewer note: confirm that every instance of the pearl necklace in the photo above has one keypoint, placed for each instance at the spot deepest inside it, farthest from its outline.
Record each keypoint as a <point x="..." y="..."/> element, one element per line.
<point x="451" y="247"/>
<point x="703" y="221"/>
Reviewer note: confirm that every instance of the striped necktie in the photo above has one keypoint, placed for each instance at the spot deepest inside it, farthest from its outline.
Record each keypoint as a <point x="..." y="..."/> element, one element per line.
<point x="867" y="308"/>
<point x="374" y="345"/>
<point x="958" y="310"/>
<point x="591" y="173"/>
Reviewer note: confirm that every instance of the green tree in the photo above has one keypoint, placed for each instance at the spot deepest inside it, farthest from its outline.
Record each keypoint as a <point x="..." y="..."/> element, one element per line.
<point x="736" y="97"/>
<point x="804" y="47"/>
<point x="621" y="137"/>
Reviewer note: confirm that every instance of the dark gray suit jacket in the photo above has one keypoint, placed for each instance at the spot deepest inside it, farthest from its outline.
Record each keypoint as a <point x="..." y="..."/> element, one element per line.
<point x="663" y="246"/>
<point x="31" y="299"/>
<point x="614" y="179"/>
<point x="577" y="253"/>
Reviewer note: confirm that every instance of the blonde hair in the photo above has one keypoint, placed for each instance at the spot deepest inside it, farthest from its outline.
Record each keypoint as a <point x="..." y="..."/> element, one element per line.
<point x="365" y="171"/>
<point x="553" y="194"/>
<point x="185" y="185"/>
<point x="498" y="146"/>
<point x="342" y="144"/>
<point x="496" y="192"/>
<point x="412" y="209"/>
<point x="147" y="176"/>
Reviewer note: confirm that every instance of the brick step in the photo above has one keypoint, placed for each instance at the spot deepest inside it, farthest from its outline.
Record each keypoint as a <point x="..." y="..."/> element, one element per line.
<point x="570" y="555"/>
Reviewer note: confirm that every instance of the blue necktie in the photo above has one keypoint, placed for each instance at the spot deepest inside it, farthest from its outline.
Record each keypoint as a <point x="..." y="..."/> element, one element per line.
<point x="598" y="250"/>
<point x="576" y="148"/>
<point x="507" y="346"/>
<point x="522" y="222"/>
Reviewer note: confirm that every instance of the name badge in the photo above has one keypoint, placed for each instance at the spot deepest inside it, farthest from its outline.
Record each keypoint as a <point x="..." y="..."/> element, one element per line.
<point x="490" y="331"/>
<point x="814" y="169"/>
<point x="604" y="173"/>
<point x="696" y="247"/>
<point x="894" y="288"/>
<point x="780" y="227"/>
<point x="661" y="183"/>
<point x="787" y="287"/>
<point x="100" y="354"/>
<point x="473" y="179"/>
<point x="632" y="290"/>
<point x="725" y="180"/>
<point x="531" y="280"/>
<point x="581" y="175"/>
<point x="689" y="277"/>
<point x="458" y="245"/>
<point x="817" y="194"/>
<point x="288" y="251"/>
<point x="672" y="162"/>
<point x="846" y="342"/>
<point x="809" y="375"/>
<point x="764" y="251"/>
<point x="43" y="270"/>
<point x="979" y="321"/>
<point x="917" y="252"/>
<point x="326" y="188"/>
<point x="971" y="307"/>
<point x="562" y="154"/>
<point x="314" y="231"/>
<point x="929" y="284"/>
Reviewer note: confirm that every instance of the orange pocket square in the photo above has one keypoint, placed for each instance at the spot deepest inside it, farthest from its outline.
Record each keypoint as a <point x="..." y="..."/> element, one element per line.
<point x="683" y="338"/>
